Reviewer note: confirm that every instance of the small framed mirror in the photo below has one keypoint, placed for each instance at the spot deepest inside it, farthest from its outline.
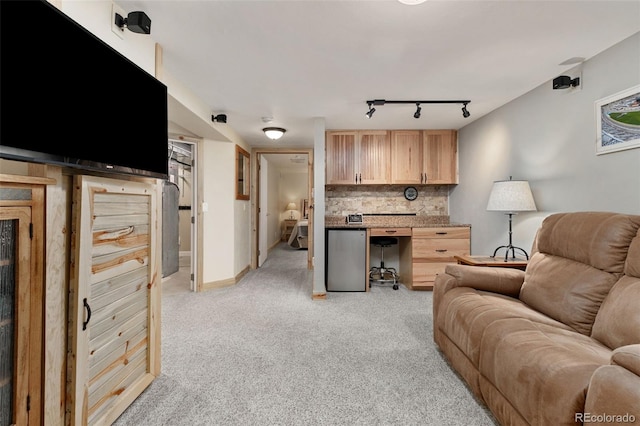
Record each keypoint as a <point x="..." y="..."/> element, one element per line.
<point x="242" y="174"/>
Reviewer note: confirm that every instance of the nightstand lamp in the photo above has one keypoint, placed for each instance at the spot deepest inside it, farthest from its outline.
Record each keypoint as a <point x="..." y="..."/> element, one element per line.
<point x="291" y="207"/>
<point x="511" y="196"/>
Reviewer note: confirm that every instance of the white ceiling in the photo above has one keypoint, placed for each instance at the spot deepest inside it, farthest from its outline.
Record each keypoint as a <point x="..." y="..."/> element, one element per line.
<point x="300" y="60"/>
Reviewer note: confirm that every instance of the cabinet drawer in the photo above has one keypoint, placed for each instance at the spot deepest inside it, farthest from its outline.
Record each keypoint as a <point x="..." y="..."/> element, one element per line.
<point x="439" y="248"/>
<point x="450" y="232"/>
<point x="390" y="232"/>
<point x="427" y="271"/>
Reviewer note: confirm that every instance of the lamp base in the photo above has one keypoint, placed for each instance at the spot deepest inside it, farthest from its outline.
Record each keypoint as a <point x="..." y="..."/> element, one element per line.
<point x="513" y="252"/>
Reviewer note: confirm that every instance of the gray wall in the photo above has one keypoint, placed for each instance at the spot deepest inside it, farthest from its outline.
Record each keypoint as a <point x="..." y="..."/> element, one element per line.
<point x="548" y="138"/>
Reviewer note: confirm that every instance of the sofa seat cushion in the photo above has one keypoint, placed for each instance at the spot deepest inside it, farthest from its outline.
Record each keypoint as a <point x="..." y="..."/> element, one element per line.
<point x="542" y="370"/>
<point x="464" y="313"/>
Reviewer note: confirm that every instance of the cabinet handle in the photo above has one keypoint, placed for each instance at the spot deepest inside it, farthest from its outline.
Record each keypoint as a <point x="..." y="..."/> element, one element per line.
<point x="421" y="177"/>
<point x="360" y="177"/>
<point x="356" y="178"/>
<point x="390" y="231"/>
<point x="441" y="233"/>
<point x="88" y="308"/>
<point x="441" y="250"/>
<point x="425" y="178"/>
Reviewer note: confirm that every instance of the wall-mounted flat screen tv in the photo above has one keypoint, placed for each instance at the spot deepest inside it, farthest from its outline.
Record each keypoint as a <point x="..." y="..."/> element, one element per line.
<point x="67" y="98"/>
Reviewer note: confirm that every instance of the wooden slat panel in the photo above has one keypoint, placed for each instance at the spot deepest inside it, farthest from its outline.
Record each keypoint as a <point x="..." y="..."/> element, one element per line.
<point x="101" y="223"/>
<point x="112" y="350"/>
<point x="139" y="274"/>
<point x="101" y="301"/>
<point x="112" y="316"/>
<point x="441" y="156"/>
<point x="115" y="358"/>
<point x="113" y="384"/>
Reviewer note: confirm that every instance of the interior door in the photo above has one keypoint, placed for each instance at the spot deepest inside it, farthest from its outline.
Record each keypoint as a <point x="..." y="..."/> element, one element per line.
<point x="263" y="243"/>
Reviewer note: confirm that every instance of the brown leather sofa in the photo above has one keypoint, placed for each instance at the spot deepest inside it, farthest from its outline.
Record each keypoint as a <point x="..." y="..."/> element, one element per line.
<point x="559" y="343"/>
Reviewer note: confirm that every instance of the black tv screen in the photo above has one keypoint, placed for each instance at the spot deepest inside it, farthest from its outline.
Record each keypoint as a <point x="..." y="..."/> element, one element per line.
<point x="68" y="98"/>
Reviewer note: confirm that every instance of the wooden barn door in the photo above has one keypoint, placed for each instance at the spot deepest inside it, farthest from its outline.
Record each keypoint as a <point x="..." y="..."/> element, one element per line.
<point x="115" y="297"/>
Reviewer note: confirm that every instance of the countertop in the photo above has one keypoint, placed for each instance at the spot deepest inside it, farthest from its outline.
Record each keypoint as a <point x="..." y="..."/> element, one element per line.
<point x="393" y="221"/>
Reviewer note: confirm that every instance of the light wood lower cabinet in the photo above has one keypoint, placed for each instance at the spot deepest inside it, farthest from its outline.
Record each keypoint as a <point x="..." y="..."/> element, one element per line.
<point x="429" y="251"/>
<point x="22" y="204"/>
<point x="114" y="342"/>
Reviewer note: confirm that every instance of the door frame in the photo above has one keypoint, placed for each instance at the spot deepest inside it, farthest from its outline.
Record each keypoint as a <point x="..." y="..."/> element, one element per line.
<point x="255" y="198"/>
<point x="195" y="266"/>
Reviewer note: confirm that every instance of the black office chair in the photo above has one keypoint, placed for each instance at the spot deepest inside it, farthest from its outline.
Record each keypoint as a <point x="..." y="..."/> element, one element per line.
<point x="382" y="274"/>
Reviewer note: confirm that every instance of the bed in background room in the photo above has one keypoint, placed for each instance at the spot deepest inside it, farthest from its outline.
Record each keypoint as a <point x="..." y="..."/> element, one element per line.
<point x="298" y="238"/>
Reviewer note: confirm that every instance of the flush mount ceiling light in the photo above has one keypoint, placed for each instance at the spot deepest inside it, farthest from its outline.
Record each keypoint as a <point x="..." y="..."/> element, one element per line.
<point x="465" y="112"/>
<point x="274" y="133"/>
<point x="411" y="2"/>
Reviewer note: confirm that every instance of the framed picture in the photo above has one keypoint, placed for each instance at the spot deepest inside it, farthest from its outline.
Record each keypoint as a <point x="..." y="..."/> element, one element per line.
<point x="618" y="121"/>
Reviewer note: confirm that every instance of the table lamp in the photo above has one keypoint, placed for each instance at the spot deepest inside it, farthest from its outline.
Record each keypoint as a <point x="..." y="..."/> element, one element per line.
<point x="511" y="196"/>
<point x="291" y="207"/>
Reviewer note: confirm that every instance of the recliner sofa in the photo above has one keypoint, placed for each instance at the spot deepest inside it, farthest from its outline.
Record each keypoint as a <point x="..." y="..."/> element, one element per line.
<point x="559" y="343"/>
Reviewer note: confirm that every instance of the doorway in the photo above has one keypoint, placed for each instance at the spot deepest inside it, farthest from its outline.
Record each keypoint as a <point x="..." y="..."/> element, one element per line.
<point x="283" y="178"/>
<point x="182" y="174"/>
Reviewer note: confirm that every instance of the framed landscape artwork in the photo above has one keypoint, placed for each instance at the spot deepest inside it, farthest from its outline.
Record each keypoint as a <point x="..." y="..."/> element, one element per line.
<point x="618" y="121"/>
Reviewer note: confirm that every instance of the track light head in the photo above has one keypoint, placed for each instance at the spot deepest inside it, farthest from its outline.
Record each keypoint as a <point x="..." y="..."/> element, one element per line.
<point x="465" y="112"/>
<point x="371" y="111"/>
<point x="417" y="113"/>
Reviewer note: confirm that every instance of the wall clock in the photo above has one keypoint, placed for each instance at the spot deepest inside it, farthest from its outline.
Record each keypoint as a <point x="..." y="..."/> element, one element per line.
<point x="410" y="193"/>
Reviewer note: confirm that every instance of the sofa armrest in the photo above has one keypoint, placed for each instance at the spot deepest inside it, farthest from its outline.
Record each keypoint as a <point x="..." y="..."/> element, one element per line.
<point x="627" y="357"/>
<point x="507" y="281"/>
<point x="614" y="390"/>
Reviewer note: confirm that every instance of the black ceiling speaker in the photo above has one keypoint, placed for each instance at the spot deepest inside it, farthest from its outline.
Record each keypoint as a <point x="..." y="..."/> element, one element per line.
<point x="564" y="82"/>
<point x="137" y="22"/>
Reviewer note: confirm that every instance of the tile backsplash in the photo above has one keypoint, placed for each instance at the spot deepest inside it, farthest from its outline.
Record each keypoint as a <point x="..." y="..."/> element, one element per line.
<point x="341" y="200"/>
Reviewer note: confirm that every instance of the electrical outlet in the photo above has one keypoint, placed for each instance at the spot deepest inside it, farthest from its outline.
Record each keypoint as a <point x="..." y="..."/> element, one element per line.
<point x="114" y="28"/>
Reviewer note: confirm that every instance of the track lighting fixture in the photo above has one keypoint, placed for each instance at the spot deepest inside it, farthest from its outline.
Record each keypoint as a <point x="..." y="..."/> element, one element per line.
<point x="371" y="110"/>
<point x="465" y="112"/>
<point x="417" y="113"/>
<point x="220" y="118"/>
<point x="274" y="133"/>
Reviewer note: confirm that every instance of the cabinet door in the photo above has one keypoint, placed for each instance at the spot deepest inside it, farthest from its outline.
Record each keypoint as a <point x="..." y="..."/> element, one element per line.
<point x="115" y="297"/>
<point x="406" y="157"/>
<point x="440" y="156"/>
<point x="21" y="301"/>
<point x="341" y="159"/>
<point x="374" y="152"/>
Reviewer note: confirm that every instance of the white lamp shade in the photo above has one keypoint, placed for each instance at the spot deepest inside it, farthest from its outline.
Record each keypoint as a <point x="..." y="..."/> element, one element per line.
<point x="291" y="206"/>
<point x="511" y="196"/>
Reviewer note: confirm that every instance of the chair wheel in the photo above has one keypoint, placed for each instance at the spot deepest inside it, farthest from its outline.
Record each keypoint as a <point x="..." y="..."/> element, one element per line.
<point x="395" y="286"/>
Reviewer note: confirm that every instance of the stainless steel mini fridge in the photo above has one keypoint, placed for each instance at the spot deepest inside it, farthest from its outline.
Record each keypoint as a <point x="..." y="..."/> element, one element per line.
<point x="345" y="259"/>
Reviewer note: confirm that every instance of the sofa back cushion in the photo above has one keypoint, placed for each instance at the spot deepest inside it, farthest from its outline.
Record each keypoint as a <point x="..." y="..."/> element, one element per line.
<point x="579" y="257"/>
<point x="618" y="320"/>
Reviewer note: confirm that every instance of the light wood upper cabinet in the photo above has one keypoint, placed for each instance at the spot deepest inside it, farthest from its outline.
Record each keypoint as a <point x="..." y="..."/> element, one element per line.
<point x="407" y="157"/>
<point x="373" y="158"/>
<point x="440" y="156"/>
<point x="341" y="158"/>
<point x="357" y="157"/>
